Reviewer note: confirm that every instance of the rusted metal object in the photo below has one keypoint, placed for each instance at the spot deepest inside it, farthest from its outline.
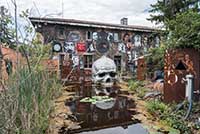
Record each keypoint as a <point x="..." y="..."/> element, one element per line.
<point x="11" y="55"/>
<point x="141" y="69"/>
<point x="51" y="65"/>
<point x="179" y="63"/>
<point x="73" y="74"/>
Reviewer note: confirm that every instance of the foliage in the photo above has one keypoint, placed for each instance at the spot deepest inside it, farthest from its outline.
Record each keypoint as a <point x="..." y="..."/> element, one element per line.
<point x="156" y="107"/>
<point x="26" y="103"/>
<point x="166" y="10"/>
<point x="181" y="21"/>
<point x="138" y="88"/>
<point x="7" y="35"/>
<point x="96" y="99"/>
<point x="156" y="60"/>
<point x="27" y="99"/>
<point x="133" y="85"/>
<point x="185" y="31"/>
<point x="168" y="115"/>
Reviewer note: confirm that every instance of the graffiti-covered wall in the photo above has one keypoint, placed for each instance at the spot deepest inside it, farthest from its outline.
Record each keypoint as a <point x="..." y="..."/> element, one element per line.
<point x="86" y="44"/>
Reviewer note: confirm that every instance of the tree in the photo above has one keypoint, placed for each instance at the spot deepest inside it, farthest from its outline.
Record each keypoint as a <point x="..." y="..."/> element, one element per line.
<point x="167" y="10"/>
<point x="184" y="31"/>
<point x="182" y="22"/>
<point x="7" y="34"/>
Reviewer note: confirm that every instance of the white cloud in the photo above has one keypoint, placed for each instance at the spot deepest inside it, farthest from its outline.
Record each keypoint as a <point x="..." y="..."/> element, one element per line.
<point x="110" y="11"/>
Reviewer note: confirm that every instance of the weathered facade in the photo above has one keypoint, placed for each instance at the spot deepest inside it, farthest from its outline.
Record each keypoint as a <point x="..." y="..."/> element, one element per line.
<point x="80" y="43"/>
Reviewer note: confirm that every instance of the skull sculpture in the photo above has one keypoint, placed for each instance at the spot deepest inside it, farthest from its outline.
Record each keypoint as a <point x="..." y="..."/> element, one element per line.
<point x="104" y="71"/>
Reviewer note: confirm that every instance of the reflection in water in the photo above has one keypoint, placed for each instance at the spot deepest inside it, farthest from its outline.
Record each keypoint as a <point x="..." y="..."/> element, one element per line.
<point x="99" y="107"/>
<point x="132" y="129"/>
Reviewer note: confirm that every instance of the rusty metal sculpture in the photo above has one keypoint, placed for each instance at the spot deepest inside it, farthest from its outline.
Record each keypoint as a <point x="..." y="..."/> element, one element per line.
<point x="179" y="63"/>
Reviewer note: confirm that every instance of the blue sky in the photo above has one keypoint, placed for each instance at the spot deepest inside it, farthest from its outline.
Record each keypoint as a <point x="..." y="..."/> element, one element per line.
<point x="110" y="11"/>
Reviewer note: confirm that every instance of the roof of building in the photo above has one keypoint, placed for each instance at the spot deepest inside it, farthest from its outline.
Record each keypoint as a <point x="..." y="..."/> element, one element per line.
<point x="93" y="24"/>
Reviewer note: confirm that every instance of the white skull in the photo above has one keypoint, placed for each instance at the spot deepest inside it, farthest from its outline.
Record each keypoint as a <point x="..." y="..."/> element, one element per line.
<point x="104" y="91"/>
<point x="104" y="71"/>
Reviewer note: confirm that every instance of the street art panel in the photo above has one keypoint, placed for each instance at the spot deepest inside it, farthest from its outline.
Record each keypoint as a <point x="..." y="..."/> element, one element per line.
<point x="57" y="46"/>
<point x="137" y="40"/>
<point x="69" y="47"/>
<point x="127" y="46"/>
<point x="74" y="36"/>
<point x="179" y="63"/>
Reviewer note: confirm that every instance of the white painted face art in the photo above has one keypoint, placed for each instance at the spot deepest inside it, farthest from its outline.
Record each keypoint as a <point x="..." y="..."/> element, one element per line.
<point x="104" y="71"/>
<point x="122" y="48"/>
<point x="137" y="39"/>
<point x="95" y="36"/>
<point x="75" y="60"/>
<point x="69" y="47"/>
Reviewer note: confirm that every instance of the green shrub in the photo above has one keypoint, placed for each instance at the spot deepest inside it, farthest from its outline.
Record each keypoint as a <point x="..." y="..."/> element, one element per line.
<point x="156" y="107"/>
<point x="167" y="115"/>
<point x="26" y="103"/>
<point x="142" y="92"/>
<point x="138" y="88"/>
<point x="156" y="60"/>
<point x="134" y="85"/>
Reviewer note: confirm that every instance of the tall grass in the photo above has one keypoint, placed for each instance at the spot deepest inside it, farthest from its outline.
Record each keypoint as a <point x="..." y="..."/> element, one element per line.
<point x="27" y="101"/>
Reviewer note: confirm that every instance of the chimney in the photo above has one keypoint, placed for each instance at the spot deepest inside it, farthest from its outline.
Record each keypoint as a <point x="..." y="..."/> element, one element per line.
<point x="124" y="21"/>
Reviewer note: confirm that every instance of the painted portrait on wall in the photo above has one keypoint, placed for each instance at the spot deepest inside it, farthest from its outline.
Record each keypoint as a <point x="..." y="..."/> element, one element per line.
<point x="74" y="36"/>
<point x="110" y="37"/>
<point x="137" y="40"/>
<point x="75" y="60"/>
<point x="121" y="47"/>
<point x="69" y="47"/>
<point x="95" y="36"/>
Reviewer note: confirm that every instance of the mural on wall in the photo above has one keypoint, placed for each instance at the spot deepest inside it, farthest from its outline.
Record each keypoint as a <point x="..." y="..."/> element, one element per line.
<point x="128" y="45"/>
<point x="75" y="59"/>
<point x="69" y="47"/>
<point x="95" y="36"/>
<point x="137" y="41"/>
<point x="110" y="37"/>
<point x="74" y="36"/>
<point x="57" y="46"/>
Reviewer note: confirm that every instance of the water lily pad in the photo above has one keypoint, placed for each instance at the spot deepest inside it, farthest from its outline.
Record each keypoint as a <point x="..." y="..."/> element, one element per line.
<point x="95" y="99"/>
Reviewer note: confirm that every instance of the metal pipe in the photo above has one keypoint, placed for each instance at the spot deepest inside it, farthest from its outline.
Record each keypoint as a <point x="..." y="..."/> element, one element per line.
<point x="189" y="93"/>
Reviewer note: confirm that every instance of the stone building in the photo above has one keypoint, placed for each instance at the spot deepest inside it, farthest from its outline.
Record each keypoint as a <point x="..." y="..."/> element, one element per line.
<point x="84" y="41"/>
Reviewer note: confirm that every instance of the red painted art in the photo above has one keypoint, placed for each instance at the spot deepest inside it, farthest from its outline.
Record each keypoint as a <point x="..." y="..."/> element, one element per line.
<point x="81" y="47"/>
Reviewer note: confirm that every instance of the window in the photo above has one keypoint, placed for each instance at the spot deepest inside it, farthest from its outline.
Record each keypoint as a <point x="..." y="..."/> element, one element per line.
<point x="61" y="33"/>
<point x="116" y="37"/>
<point x="88" y="60"/>
<point x="88" y="35"/>
<point x="117" y="60"/>
<point x="137" y="40"/>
